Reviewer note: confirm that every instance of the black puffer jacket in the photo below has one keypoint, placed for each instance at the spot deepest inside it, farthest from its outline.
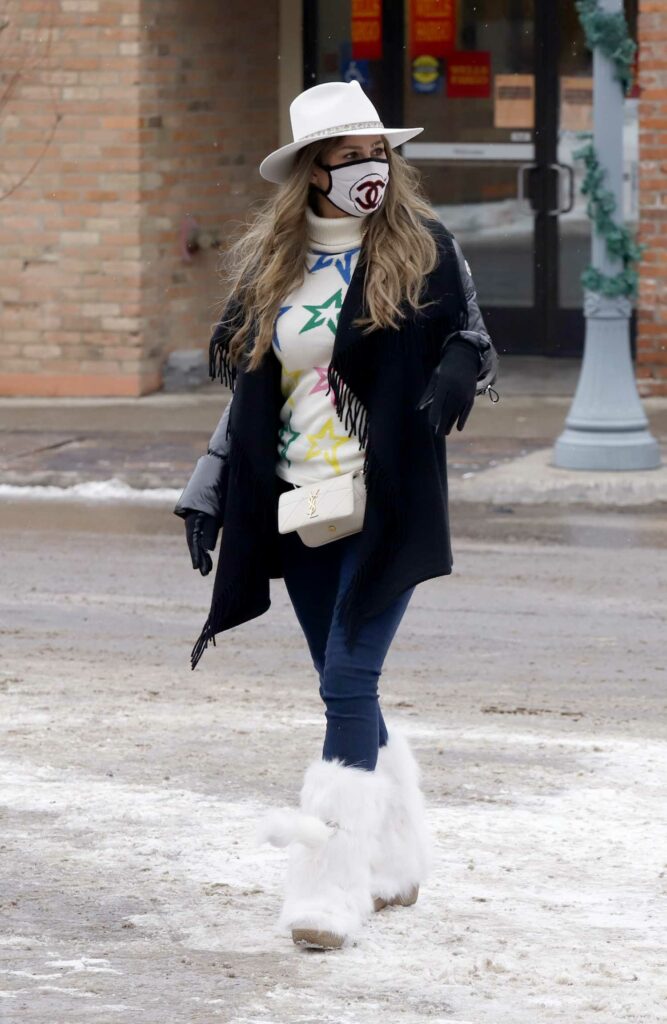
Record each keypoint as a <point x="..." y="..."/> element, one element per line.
<point x="207" y="487"/>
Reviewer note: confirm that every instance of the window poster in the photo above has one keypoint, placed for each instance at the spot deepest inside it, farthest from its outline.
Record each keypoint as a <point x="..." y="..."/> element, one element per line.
<point x="514" y="101"/>
<point x="576" y="103"/>
<point x="366" y="30"/>
<point x="469" y="74"/>
<point x="432" y="27"/>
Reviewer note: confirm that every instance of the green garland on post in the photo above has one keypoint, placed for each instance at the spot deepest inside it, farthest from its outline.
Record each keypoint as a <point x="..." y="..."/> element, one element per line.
<point x="619" y="240"/>
<point x="609" y="33"/>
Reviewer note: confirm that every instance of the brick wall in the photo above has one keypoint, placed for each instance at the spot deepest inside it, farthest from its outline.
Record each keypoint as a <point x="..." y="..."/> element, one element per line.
<point x="652" y="305"/>
<point x="69" y="259"/>
<point x="208" y="114"/>
<point x="135" y="114"/>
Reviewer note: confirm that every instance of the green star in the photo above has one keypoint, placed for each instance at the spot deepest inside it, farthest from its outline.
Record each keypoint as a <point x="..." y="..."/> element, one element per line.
<point x="317" y="318"/>
<point x="287" y="429"/>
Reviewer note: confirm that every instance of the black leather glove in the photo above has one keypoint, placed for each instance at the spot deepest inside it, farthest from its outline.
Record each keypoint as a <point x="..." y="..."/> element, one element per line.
<point x="201" y="531"/>
<point x="451" y="389"/>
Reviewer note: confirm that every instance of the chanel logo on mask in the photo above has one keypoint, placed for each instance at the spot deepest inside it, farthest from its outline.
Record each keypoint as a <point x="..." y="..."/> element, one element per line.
<point x="368" y="193"/>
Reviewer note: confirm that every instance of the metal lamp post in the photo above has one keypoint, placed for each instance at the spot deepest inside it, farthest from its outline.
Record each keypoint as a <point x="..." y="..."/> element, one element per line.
<point x="606" y="427"/>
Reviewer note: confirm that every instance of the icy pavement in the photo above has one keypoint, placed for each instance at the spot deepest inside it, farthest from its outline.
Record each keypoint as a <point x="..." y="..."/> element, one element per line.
<point x="532" y="685"/>
<point x="547" y="904"/>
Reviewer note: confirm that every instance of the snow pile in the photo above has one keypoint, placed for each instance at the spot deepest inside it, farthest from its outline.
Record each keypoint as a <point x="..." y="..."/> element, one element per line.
<point x="111" y="490"/>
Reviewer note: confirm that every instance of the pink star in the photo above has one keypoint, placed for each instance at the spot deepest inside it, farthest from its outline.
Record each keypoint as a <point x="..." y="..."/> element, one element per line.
<point x="322" y="383"/>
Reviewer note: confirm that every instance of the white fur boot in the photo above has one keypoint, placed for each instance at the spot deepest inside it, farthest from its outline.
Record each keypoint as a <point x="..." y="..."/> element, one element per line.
<point x="328" y="892"/>
<point x="403" y="855"/>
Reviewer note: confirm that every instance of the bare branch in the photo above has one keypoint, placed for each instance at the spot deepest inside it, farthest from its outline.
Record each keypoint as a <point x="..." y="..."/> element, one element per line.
<point x="25" y="58"/>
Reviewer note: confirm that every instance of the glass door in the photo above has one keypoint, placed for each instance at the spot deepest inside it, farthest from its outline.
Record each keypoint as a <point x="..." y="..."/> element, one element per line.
<point x="575" y="111"/>
<point x="478" y="154"/>
<point x="504" y="109"/>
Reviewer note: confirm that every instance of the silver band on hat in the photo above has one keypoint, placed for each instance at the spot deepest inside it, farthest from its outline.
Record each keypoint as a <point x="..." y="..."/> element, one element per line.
<point x="341" y="128"/>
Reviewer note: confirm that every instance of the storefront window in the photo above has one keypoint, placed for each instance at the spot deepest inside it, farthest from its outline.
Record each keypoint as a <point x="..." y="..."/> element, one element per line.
<point x="477" y="108"/>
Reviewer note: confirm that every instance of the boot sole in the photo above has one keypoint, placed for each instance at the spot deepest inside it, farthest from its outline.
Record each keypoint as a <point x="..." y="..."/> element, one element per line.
<point x="319" y="939"/>
<point x="379" y="903"/>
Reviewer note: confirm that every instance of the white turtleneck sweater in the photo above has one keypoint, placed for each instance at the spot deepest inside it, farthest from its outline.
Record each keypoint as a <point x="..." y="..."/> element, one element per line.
<point x="313" y="445"/>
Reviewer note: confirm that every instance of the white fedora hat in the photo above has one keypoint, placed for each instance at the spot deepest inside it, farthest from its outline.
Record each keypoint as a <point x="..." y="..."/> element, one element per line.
<point x="324" y="112"/>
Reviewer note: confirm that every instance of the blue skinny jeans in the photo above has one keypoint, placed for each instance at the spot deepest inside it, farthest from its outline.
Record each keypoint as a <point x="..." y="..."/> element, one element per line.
<point x="316" y="580"/>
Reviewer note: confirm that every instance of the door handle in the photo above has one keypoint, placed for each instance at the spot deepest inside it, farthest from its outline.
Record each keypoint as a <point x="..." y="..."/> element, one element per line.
<point x="563" y="170"/>
<point x="525" y="205"/>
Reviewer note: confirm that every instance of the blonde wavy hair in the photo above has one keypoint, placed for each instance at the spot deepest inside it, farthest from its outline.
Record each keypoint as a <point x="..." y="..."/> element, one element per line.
<point x="266" y="262"/>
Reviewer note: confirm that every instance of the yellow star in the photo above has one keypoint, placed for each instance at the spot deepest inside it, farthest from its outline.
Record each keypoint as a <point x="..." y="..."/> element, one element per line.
<point x="329" y="453"/>
<point x="289" y="381"/>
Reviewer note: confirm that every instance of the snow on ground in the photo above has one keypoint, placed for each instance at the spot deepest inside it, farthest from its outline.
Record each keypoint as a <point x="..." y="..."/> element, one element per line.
<point x="548" y="907"/>
<point x="131" y="884"/>
<point x="112" y="490"/>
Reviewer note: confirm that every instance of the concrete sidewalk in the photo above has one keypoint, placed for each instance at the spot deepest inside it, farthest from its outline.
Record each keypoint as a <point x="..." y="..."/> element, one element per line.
<point x="502" y="456"/>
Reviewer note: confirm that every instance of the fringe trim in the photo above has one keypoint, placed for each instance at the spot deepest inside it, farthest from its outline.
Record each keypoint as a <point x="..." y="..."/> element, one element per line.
<point x="349" y="407"/>
<point x="219" y="361"/>
<point x="201" y="643"/>
<point x="228" y="599"/>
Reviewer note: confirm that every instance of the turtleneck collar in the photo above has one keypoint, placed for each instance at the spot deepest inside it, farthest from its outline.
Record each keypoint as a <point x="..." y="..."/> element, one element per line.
<point x="333" y="234"/>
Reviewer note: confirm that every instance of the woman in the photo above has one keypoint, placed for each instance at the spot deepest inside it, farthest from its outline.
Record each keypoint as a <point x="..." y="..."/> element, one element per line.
<point x="352" y="340"/>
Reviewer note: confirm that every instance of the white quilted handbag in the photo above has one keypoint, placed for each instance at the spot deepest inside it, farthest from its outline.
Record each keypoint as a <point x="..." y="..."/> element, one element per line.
<point x="324" y="511"/>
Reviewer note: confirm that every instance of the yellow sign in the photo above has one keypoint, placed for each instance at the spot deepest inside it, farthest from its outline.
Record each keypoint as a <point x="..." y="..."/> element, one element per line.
<point x="425" y="73"/>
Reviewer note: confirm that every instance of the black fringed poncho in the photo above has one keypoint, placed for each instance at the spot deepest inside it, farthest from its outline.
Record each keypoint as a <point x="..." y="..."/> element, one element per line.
<point x="377" y="380"/>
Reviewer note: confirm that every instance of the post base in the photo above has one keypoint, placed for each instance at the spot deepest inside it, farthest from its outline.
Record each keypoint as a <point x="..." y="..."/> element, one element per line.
<point x="606" y="428"/>
<point x="614" y="451"/>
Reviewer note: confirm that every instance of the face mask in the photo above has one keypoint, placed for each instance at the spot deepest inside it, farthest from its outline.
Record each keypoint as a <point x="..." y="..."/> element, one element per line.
<point x="357" y="187"/>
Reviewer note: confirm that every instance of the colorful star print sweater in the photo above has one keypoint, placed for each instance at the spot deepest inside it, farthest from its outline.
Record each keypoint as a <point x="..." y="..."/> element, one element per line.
<point x="312" y="443"/>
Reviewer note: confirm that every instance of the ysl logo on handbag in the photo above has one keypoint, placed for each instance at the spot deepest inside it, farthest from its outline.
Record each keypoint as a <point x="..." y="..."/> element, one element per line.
<point x="312" y="503"/>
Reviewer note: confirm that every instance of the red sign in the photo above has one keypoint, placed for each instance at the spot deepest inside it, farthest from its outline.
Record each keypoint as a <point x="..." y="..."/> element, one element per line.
<point x="366" y="29"/>
<point x="469" y="74"/>
<point x="432" y="27"/>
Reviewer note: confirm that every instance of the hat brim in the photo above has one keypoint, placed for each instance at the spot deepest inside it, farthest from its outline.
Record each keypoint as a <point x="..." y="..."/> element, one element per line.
<point x="276" y="166"/>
